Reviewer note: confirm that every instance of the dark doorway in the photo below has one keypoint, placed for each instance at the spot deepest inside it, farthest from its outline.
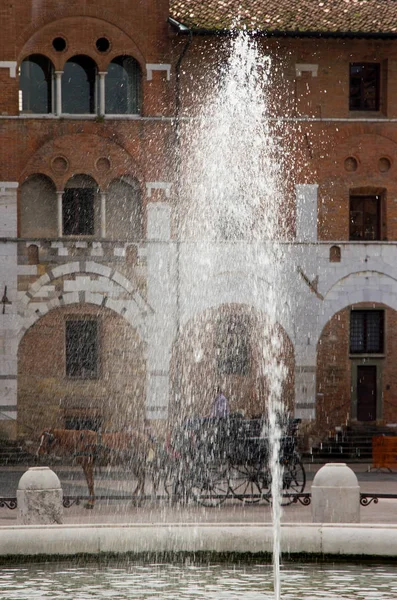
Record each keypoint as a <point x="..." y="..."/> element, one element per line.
<point x="366" y="393"/>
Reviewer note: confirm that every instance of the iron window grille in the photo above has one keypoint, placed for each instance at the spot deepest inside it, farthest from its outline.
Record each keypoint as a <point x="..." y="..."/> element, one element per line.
<point x="82" y="349"/>
<point x="367" y="332"/>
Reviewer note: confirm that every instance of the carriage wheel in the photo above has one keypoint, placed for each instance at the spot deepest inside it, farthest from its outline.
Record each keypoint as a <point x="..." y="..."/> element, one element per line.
<point x="294" y="479"/>
<point x="245" y="482"/>
<point x="210" y="485"/>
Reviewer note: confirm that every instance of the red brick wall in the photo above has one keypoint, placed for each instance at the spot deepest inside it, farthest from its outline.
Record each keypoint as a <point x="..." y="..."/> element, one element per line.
<point x="46" y="395"/>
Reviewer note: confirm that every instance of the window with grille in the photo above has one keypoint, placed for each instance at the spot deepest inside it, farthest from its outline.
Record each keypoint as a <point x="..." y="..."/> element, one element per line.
<point x="365" y="218"/>
<point x="233" y="343"/>
<point x="364" y="86"/>
<point x="367" y="332"/>
<point x="82" y="349"/>
<point x="78" y="211"/>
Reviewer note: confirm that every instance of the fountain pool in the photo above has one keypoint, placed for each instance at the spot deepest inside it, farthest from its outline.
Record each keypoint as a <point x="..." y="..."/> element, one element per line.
<point x="213" y="581"/>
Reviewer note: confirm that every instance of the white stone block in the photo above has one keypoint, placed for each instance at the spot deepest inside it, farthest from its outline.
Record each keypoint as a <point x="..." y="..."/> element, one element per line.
<point x="159" y="221"/>
<point x="306" y="213"/>
<point x="66" y="269"/>
<point x="335" y="495"/>
<point x="94" y="267"/>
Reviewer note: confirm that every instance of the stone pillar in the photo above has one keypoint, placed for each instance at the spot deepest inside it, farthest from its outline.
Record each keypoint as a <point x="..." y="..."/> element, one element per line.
<point x="306" y="213"/>
<point x="58" y="93"/>
<point x="39" y="497"/>
<point x="59" y="213"/>
<point x="9" y="320"/>
<point x="335" y="495"/>
<point x="161" y="269"/>
<point x="103" y="214"/>
<point x="305" y="391"/>
<point x="102" y="75"/>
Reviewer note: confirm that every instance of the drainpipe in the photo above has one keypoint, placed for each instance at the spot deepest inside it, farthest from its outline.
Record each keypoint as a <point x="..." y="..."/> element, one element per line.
<point x="185" y="30"/>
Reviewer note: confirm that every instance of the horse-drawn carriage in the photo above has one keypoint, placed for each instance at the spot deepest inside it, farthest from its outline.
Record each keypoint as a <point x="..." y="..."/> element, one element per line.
<point x="208" y="459"/>
<point x="216" y="458"/>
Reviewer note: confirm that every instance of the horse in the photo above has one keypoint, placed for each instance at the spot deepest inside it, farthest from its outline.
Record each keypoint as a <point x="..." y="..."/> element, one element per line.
<point x="89" y="447"/>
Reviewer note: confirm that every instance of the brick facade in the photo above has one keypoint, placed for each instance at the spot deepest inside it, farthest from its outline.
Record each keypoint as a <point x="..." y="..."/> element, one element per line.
<point x="132" y="278"/>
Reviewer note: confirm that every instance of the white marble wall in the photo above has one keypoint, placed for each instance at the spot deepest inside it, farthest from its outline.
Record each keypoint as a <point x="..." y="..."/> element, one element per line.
<point x="8" y="312"/>
<point x="184" y="279"/>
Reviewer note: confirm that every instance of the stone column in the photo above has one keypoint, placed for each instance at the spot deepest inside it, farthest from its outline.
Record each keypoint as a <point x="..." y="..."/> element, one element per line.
<point x="102" y="75"/>
<point x="335" y="495"/>
<point x="306" y="213"/>
<point x="58" y="93"/>
<point x="39" y="497"/>
<point x="59" y="213"/>
<point x="9" y="321"/>
<point x="161" y="260"/>
<point x="305" y="391"/>
<point x="103" y="214"/>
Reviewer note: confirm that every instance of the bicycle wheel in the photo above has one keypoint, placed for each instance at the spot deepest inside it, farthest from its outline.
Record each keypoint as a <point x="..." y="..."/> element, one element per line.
<point x="294" y="479"/>
<point x="210" y="484"/>
<point x="245" y="483"/>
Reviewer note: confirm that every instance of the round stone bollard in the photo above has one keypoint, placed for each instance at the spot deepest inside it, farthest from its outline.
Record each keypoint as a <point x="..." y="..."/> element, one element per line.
<point x="335" y="495"/>
<point x="39" y="497"/>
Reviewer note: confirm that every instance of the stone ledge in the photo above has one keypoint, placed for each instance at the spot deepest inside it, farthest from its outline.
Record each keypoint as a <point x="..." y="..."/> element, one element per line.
<point x="342" y="540"/>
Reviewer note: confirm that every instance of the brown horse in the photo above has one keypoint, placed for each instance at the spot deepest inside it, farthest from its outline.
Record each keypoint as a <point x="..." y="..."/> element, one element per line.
<point x="89" y="447"/>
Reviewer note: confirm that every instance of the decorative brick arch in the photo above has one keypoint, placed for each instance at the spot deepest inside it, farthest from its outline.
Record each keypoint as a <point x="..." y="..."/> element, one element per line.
<point x="132" y="307"/>
<point x="37" y="38"/>
<point x="99" y="157"/>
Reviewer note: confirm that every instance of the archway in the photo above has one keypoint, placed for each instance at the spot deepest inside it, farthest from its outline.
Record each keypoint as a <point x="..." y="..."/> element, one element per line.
<point x="356" y="355"/>
<point x="226" y="346"/>
<point x="77" y="376"/>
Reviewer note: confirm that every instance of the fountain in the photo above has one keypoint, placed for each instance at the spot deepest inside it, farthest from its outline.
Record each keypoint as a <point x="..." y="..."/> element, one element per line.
<point x="233" y="187"/>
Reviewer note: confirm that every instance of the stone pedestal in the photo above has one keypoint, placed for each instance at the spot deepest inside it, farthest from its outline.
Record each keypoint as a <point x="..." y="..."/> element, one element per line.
<point x="39" y="497"/>
<point x="335" y="495"/>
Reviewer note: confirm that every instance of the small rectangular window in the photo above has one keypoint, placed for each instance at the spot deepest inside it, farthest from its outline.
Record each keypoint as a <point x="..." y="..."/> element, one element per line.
<point x="364" y="86"/>
<point x="367" y="332"/>
<point x="82" y="349"/>
<point x="78" y="211"/>
<point x="233" y="346"/>
<point x="365" y="218"/>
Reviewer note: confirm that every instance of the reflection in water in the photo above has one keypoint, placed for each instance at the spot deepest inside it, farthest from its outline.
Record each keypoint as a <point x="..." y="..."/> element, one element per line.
<point x="131" y="581"/>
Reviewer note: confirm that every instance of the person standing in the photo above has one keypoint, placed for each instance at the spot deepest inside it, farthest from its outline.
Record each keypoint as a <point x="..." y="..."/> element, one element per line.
<point x="220" y="407"/>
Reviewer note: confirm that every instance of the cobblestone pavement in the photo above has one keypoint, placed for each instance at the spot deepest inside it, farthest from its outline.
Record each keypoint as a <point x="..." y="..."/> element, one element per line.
<point x="117" y="482"/>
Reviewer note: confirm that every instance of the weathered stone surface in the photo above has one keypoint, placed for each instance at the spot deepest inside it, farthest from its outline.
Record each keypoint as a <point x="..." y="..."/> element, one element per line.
<point x="335" y="495"/>
<point x="39" y="497"/>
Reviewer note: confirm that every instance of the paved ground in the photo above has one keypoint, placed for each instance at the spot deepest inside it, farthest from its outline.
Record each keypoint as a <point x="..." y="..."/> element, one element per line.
<point x="232" y="511"/>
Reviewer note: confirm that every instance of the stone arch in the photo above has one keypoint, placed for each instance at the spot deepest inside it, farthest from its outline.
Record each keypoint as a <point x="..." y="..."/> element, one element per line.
<point x="337" y="367"/>
<point x="101" y="286"/>
<point x="355" y="288"/>
<point x="236" y="287"/>
<point x="124" y="205"/>
<point x="37" y="207"/>
<point x="63" y="156"/>
<point x="224" y="345"/>
<point x="49" y="395"/>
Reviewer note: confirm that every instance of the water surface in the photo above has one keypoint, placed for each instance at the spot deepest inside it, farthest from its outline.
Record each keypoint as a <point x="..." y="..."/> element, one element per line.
<point x="131" y="581"/>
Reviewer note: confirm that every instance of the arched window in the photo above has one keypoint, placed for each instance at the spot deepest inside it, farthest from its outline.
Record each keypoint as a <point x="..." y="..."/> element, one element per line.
<point x="124" y="210"/>
<point x="36" y="84"/>
<point x="78" y="86"/>
<point x="38" y="207"/>
<point x="80" y="206"/>
<point x="123" y="86"/>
